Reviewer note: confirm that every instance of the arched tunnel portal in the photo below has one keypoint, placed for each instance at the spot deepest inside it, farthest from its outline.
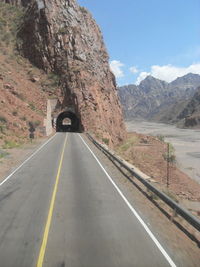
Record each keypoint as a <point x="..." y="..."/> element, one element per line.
<point x="67" y="121"/>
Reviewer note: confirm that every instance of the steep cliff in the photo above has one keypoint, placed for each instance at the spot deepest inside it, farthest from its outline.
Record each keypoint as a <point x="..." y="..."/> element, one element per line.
<point x="60" y="36"/>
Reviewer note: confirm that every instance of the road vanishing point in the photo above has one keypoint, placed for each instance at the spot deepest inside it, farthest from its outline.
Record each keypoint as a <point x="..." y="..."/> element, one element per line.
<point x="60" y="208"/>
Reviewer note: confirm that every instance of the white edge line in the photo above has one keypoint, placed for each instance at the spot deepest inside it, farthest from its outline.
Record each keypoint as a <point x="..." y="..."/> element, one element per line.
<point x="10" y="175"/>
<point x="170" y="261"/>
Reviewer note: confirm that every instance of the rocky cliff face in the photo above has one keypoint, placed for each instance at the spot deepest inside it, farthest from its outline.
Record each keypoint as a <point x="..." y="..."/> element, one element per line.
<point x="17" y="2"/>
<point x="60" y="36"/>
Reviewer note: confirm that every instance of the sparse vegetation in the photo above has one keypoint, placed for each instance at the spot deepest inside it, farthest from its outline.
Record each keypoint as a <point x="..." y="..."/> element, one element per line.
<point x="10" y="19"/>
<point x="62" y="30"/>
<point x="54" y="79"/>
<point x="32" y="106"/>
<point x="171" y="156"/>
<point x="10" y="144"/>
<point x="161" y="137"/>
<point x="3" y="120"/>
<point x="171" y="195"/>
<point x="23" y="118"/>
<point x="36" y="123"/>
<point x="83" y="9"/>
<point x="152" y="195"/>
<point x="3" y="154"/>
<point x="15" y="113"/>
<point x="130" y="142"/>
<point x="105" y="140"/>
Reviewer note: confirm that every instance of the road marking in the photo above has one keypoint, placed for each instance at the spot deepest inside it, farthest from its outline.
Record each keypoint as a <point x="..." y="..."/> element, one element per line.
<point x="51" y="208"/>
<point x="167" y="257"/>
<point x="10" y="175"/>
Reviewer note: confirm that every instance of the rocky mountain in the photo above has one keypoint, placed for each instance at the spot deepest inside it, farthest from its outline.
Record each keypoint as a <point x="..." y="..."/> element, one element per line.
<point x="157" y="100"/>
<point x="60" y="37"/>
<point x="190" y="115"/>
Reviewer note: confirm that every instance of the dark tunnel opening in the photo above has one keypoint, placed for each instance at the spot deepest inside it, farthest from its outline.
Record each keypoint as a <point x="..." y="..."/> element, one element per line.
<point x="67" y="121"/>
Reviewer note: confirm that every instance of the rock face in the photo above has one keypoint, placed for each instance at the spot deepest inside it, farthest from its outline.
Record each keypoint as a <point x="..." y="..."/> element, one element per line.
<point x="17" y="2"/>
<point x="61" y="37"/>
<point x="191" y="112"/>
<point x="157" y="100"/>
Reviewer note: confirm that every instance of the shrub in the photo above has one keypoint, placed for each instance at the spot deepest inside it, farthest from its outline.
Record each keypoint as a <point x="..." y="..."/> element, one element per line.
<point x="3" y="120"/>
<point x="3" y="154"/>
<point x="36" y="123"/>
<point x="10" y="144"/>
<point x="161" y="137"/>
<point x="32" y="106"/>
<point x="23" y="118"/>
<point x="105" y="140"/>
<point x="14" y="113"/>
<point x="2" y="129"/>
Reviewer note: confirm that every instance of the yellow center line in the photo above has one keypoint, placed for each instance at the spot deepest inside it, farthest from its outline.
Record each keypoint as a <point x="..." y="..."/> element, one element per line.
<point x="49" y="218"/>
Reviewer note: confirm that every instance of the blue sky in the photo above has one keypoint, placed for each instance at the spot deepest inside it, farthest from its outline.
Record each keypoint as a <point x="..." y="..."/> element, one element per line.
<point x="157" y="37"/>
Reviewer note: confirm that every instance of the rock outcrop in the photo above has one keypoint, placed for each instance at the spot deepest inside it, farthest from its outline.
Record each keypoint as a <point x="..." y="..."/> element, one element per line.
<point x="190" y="115"/>
<point x="23" y="3"/>
<point x="61" y="37"/>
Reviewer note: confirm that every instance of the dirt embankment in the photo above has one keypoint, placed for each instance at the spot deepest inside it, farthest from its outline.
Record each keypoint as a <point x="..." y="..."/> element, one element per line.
<point x="149" y="154"/>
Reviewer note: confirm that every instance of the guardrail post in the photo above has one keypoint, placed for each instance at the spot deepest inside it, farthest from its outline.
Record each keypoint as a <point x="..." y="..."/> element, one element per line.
<point x="174" y="214"/>
<point x="168" y="165"/>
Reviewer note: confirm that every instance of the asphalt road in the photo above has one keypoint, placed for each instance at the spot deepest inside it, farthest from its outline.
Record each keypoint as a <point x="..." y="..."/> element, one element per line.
<point x="61" y="209"/>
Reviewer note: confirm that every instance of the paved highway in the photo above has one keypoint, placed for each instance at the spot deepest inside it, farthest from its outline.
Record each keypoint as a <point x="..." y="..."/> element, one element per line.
<point x="61" y="208"/>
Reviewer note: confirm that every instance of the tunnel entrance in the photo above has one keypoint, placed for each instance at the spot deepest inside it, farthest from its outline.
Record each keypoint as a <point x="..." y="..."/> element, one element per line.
<point x="67" y="121"/>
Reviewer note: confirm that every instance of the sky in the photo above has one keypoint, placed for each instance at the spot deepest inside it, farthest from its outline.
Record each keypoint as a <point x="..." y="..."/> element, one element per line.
<point x="149" y="37"/>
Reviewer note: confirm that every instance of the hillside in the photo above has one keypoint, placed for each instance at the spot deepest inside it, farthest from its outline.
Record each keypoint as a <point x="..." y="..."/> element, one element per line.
<point x="157" y="100"/>
<point x="24" y="89"/>
<point x="190" y="115"/>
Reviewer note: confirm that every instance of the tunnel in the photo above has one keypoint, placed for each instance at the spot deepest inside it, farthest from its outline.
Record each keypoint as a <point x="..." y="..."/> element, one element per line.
<point x="67" y="121"/>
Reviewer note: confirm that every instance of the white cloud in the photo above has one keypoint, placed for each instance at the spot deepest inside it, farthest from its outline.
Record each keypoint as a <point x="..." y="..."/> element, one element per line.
<point x="169" y="73"/>
<point x="133" y="69"/>
<point x="116" y="66"/>
<point x="142" y="76"/>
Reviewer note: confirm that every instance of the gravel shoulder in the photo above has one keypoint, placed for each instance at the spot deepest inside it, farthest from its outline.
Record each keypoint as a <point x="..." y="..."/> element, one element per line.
<point x="12" y="158"/>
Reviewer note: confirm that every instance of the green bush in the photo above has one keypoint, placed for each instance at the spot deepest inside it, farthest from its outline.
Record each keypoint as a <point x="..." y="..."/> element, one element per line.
<point x="105" y="140"/>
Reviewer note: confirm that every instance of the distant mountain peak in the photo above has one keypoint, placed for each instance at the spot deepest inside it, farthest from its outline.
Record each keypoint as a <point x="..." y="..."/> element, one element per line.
<point x="154" y="98"/>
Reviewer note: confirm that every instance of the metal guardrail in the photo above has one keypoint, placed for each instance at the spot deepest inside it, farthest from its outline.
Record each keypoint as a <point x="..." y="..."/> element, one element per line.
<point x="195" y="222"/>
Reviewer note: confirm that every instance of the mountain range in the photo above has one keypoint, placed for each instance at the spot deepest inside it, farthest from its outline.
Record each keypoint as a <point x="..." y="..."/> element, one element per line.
<point x="157" y="100"/>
